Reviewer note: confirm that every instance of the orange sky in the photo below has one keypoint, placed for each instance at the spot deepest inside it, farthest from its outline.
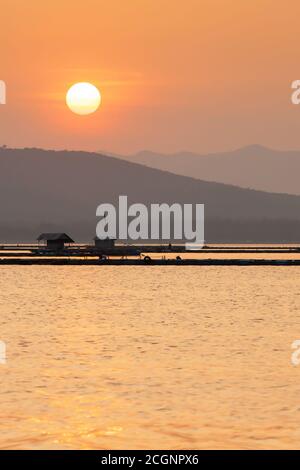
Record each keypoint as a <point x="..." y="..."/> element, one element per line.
<point x="199" y="75"/>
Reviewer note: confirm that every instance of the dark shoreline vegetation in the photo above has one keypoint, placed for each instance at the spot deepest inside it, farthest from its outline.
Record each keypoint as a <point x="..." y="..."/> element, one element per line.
<point x="151" y="262"/>
<point x="87" y="255"/>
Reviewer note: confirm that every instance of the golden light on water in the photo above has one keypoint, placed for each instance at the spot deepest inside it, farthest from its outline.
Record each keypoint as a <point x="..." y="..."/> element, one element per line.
<point x="83" y="98"/>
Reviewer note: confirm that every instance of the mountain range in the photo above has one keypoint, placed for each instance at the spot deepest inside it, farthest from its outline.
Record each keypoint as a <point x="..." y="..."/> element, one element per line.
<point x="254" y="167"/>
<point x="43" y="191"/>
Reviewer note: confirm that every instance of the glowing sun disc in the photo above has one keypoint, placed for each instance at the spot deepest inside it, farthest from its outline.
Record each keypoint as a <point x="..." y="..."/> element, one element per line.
<point x="83" y="98"/>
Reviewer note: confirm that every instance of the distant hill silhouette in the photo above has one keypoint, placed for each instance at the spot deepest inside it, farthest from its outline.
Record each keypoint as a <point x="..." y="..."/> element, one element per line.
<point x="44" y="191"/>
<point x="254" y="167"/>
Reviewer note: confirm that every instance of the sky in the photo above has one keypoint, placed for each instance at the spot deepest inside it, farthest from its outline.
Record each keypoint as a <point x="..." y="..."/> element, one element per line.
<point x="194" y="75"/>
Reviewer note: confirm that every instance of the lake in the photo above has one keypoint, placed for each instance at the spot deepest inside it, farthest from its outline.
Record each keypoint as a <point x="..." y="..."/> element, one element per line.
<point x="149" y="357"/>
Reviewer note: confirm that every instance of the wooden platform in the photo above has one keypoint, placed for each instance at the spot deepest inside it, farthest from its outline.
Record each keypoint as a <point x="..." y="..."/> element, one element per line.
<point x="141" y="262"/>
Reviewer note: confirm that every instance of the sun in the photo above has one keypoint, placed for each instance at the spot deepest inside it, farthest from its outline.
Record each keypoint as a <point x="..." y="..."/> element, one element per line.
<point x="83" y="98"/>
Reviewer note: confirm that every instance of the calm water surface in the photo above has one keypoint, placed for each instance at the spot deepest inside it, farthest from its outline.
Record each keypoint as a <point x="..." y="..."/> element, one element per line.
<point x="149" y="357"/>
